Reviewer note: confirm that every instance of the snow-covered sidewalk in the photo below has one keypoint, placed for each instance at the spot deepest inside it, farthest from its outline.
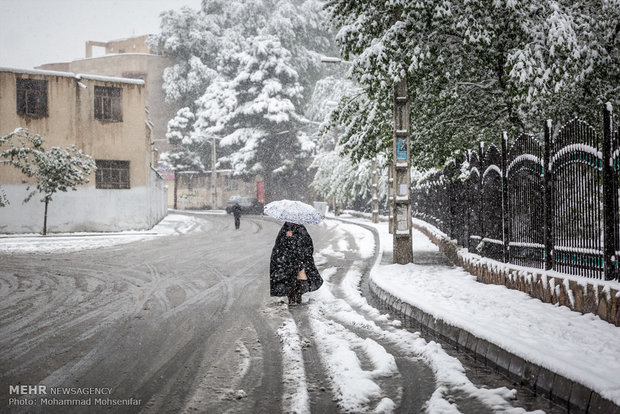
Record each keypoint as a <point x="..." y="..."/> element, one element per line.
<point x="582" y="348"/>
<point x="172" y="224"/>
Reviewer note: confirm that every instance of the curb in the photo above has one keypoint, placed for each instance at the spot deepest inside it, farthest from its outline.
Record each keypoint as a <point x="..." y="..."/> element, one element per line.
<point x="570" y="395"/>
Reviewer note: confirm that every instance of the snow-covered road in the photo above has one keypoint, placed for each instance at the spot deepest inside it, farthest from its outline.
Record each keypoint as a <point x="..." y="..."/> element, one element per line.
<point x="180" y="319"/>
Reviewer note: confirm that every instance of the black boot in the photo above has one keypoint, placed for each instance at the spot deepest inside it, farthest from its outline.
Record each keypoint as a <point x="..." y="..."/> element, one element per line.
<point x="299" y="286"/>
<point x="292" y="294"/>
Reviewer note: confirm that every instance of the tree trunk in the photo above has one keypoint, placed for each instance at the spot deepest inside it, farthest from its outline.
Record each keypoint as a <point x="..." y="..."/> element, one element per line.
<point x="45" y="218"/>
<point x="176" y="181"/>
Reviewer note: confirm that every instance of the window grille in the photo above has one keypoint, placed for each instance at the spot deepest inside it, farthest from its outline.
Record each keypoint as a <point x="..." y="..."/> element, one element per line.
<point x="112" y="174"/>
<point x="31" y="97"/>
<point x="108" y="104"/>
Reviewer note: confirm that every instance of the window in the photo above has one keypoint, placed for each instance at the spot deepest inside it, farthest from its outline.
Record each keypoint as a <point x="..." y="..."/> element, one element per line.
<point x="108" y="103"/>
<point x="112" y="174"/>
<point x="31" y="97"/>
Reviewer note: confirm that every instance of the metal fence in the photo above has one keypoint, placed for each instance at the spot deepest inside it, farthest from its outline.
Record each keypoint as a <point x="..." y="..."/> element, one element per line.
<point x="551" y="204"/>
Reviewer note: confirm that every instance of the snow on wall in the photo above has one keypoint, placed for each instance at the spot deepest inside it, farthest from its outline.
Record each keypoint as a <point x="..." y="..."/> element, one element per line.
<point x="577" y="293"/>
<point x="87" y="209"/>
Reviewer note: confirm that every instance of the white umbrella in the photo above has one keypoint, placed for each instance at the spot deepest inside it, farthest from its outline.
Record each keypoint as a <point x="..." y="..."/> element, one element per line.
<point x="293" y="212"/>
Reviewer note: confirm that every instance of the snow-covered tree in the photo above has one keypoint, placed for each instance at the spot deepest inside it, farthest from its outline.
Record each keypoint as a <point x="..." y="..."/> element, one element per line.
<point x="477" y="67"/>
<point x="340" y="180"/>
<point x="203" y="40"/>
<point x="255" y="113"/>
<point x="180" y="127"/>
<point x="57" y="169"/>
<point x="246" y="70"/>
<point x="4" y="200"/>
<point x="21" y="144"/>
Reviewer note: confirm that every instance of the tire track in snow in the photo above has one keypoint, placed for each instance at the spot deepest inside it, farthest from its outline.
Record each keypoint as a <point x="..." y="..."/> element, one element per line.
<point x="454" y="391"/>
<point x="296" y="399"/>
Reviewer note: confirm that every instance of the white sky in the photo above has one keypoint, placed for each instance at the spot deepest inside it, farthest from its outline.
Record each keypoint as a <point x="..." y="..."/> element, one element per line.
<point x="34" y="32"/>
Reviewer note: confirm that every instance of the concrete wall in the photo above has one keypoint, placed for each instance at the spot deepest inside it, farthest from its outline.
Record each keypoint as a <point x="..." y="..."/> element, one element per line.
<point x="199" y="194"/>
<point x="158" y="194"/>
<point x="86" y="209"/>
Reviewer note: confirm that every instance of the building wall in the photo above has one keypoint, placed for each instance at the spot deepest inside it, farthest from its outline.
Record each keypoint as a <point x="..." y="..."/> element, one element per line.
<point x="136" y="61"/>
<point x="194" y="190"/>
<point x="147" y="67"/>
<point x="71" y="121"/>
<point x="135" y="44"/>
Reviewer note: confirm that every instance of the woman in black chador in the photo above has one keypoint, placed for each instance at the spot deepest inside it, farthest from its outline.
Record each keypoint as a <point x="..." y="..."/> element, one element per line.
<point x="292" y="269"/>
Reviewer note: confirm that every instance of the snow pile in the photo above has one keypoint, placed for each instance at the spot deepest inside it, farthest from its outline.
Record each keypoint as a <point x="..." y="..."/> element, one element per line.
<point x="580" y="347"/>
<point x="173" y="224"/>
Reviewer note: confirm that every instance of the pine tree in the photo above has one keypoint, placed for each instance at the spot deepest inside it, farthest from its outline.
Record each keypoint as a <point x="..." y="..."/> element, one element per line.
<point x="246" y="70"/>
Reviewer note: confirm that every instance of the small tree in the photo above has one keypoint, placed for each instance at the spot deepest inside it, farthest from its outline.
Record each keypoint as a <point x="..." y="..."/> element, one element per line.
<point x="21" y="145"/>
<point x="4" y="201"/>
<point x="58" y="169"/>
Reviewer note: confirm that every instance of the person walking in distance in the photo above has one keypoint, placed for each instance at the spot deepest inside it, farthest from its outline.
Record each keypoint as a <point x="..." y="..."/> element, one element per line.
<point x="236" y="210"/>
<point x="292" y="269"/>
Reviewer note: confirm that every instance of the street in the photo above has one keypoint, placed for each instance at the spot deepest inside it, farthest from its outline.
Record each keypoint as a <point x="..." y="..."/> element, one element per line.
<point x="185" y="324"/>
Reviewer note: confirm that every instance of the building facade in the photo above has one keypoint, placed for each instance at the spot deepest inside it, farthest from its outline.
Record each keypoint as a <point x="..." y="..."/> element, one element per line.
<point x="103" y="116"/>
<point x="130" y="58"/>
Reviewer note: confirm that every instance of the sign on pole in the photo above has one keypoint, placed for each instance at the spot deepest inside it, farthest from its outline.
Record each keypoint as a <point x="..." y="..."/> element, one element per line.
<point x="403" y="252"/>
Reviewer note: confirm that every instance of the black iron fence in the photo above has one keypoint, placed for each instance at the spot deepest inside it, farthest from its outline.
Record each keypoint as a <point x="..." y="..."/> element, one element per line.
<point x="551" y="204"/>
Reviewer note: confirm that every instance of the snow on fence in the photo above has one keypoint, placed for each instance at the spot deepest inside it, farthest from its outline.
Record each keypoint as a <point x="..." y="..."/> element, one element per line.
<point x="551" y="204"/>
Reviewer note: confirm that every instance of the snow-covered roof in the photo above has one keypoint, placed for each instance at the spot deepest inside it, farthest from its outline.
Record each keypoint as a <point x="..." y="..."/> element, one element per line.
<point x="108" y="78"/>
<point x="107" y="55"/>
<point x="38" y="72"/>
<point x="78" y="76"/>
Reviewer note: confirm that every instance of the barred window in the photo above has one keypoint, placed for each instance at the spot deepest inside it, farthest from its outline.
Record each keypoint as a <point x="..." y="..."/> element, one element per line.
<point x="108" y="103"/>
<point x="112" y="174"/>
<point x="31" y="97"/>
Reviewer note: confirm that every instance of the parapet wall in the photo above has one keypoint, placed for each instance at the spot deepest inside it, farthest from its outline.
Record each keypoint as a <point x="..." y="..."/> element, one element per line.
<point x="576" y="293"/>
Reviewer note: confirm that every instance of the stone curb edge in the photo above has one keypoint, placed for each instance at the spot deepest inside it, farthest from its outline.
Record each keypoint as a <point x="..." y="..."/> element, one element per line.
<point x="574" y="397"/>
<point x="568" y="394"/>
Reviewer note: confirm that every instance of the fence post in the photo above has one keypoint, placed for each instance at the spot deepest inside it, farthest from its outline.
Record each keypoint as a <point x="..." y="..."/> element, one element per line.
<point x="390" y="198"/>
<point x="609" y="192"/>
<point x="480" y="194"/>
<point x="505" y="204"/>
<point x="548" y="197"/>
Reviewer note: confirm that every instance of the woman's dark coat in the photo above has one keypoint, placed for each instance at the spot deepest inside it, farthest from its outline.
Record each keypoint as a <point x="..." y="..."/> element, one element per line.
<point x="288" y="257"/>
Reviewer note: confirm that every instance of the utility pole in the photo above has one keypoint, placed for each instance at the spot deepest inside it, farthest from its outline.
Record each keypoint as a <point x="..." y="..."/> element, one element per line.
<point x="403" y="252"/>
<point x="213" y="175"/>
<point x="375" y="198"/>
<point x="391" y="198"/>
